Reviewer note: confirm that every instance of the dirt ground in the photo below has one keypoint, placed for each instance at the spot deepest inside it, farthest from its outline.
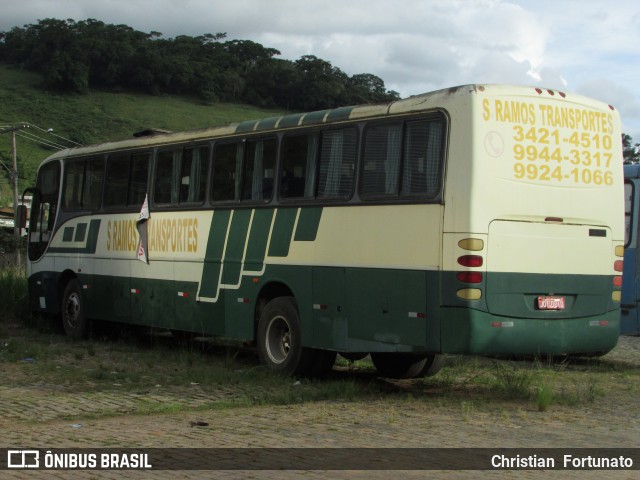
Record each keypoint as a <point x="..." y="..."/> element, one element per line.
<point x="39" y="414"/>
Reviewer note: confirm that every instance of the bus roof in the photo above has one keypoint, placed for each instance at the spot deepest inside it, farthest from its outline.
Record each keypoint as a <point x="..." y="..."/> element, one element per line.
<point x="412" y="104"/>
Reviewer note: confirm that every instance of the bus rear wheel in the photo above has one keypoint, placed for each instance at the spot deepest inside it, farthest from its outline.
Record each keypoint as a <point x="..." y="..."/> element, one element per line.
<point x="407" y="365"/>
<point x="74" y="321"/>
<point x="279" y="339"/>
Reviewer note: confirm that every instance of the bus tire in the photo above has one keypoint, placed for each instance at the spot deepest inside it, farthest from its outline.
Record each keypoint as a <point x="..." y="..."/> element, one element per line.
<point x="279" y="338"/>
<point x="433" y="365"/>
<point x="74" y="321"/>
<point x="406" y="365"/>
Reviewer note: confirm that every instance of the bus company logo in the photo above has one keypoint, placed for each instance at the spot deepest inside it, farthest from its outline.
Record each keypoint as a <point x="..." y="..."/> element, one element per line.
<point x="23" y="459"/>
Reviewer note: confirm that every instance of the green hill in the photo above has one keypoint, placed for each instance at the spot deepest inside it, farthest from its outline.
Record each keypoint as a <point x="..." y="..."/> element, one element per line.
<point x="92" y="118"/>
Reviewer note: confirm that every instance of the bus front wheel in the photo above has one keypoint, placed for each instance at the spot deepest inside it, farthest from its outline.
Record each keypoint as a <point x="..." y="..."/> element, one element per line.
<point x="406" y="365"/>
<point x="74" y="321"/>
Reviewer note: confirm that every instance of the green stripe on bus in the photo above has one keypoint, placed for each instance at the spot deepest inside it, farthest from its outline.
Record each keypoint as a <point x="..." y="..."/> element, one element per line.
<point x="67" y="236"/>
<point x="256" y="249"/>
<point x="92" y="238"/>
<point x="235" y="246"/>
<point x="282" y="232"/>
<point x="90" y="245"/>
<point x="213" y="257"/>
<point x="308" y="223"/>
<point x="81" y="231"/>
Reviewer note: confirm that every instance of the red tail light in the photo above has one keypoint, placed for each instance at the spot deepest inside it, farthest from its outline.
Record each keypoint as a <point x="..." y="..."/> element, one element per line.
<point x="617" y="281"/>
<point x="470" y="260"/>
<point x="617" y="265"/>
<point x="469" y="277"/>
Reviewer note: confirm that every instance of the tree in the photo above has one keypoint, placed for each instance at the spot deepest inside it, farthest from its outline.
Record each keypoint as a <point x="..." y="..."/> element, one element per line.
<point x="89" y="54"/>
<point x="630" y="151"/>
<point x="367" y="88"/>
<point x="320" y="86"/>
<point x="271" y="83"/>
<point x="65" y="73"/>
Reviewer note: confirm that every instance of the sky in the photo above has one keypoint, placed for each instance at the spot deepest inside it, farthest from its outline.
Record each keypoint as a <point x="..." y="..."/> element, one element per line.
<point x="589" y="47"/>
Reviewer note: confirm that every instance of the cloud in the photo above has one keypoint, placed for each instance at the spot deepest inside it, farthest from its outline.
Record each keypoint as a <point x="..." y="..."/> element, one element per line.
<point x="622" y="98"/>
<point x="413" y="45"/>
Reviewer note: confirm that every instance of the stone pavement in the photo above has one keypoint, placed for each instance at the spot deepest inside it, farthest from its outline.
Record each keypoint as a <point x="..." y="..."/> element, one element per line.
<point x="49" y="416"/>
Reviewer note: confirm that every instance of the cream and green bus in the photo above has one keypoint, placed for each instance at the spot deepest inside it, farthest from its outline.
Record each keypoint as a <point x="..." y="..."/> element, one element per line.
<point x="480" y="219"/>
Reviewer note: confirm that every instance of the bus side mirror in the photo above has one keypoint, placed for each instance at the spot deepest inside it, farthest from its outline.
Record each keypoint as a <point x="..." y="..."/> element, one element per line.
<point x="22" y="216"/>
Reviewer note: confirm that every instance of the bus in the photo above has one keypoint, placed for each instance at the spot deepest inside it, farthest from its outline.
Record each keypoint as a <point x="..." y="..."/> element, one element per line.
<point x="630" y="321"/>
<point x="479" y="219"/>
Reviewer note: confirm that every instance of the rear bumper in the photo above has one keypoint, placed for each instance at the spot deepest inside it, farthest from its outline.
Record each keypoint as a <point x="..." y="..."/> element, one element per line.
<point x="469" y="331"/>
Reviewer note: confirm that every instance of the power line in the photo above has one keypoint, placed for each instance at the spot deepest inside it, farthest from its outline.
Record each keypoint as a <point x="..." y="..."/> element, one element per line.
<point x="50" y="132"/>
<point x="43" y="141"/>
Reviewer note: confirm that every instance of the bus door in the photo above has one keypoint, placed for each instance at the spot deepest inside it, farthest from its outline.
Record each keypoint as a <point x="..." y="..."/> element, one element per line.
<point x="42" y="280"/>
<point x="629" y="321"/>
<point x="43" y="210"/>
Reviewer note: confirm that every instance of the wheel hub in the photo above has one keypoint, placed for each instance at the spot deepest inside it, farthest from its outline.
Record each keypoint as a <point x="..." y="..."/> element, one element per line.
<point x="278" y="340"/>
<point x="72" y="309"/>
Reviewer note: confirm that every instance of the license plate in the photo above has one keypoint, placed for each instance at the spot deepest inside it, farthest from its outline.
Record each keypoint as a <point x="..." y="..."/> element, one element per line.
<point x="551" y="303"/>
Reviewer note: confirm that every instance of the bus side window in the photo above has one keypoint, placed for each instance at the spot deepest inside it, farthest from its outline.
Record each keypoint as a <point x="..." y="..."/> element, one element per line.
<point x="126" y="178"/>
<point x="193" y="176"/>
<point x="422" y="158"/>
<point x="72" y="187"/>
<point x="403" y="159"/>
<point x="93" y="184"/>
<point x="138" y="181"/>
<point x="82" y="188"/>
<point x="337" y="163"/>
<point x="382" y="148"/>
<point x="164" y="191"/>
<point x="227" y="172"/>
<point x="299" y="157"/>
<point x="117" y="181"/>
<point x="258" y="171"/>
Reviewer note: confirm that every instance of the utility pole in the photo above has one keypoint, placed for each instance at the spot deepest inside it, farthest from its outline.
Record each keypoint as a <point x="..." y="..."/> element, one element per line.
<point x="14" y="172"/>
<point x="14" y="153"/>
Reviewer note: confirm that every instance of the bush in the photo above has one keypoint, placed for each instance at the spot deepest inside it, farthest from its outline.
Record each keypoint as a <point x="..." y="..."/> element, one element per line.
<point x="9" y="243"/>
<point x="14" y="298"/>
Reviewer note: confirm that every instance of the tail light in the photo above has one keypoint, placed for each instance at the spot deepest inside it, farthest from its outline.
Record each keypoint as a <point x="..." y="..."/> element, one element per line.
<point x="469" y="277"/>
<point x="470" y="261"/>
<point x="618" y="266"/>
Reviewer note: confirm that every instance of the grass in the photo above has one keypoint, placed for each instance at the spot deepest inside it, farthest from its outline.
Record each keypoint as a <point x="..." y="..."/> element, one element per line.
<point x="476" y="383"/>
<point x="202" y="375"/>
<point x="95" y="117"/>
<point x="544" y="396"/>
